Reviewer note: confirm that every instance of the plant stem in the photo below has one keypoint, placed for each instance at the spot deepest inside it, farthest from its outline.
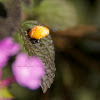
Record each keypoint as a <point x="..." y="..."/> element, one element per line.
<point x="8" y="81"/>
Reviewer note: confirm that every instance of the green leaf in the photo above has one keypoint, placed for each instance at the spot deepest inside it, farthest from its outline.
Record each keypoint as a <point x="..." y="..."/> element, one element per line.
<point x="44" y="49"/>
<point x="4" y="93"/>
<point x="27" y="2"/>
<point x="27" y="9"/>
<point x="57" y="13"/>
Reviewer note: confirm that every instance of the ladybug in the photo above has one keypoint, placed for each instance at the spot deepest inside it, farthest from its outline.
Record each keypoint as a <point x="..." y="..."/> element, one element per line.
<point x="38" y="32"/>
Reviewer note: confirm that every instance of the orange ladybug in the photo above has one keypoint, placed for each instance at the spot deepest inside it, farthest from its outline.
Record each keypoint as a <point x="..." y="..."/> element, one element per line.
<point x="38" y="32"/>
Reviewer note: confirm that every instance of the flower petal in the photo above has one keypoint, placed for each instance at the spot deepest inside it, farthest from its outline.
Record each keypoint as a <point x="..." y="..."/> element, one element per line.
<point x="27" y="71"/>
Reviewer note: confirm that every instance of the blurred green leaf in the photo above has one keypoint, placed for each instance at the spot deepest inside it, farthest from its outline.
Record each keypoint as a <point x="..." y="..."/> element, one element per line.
<point x="28" y="11"/>
<point x="21" y="93"/>
<point x="27" y="2"/>
<point x="84" y="94"/>
<point x="4" y="93"/>
<point x="57" y="14"/>
<point x="95" y="14"/>
<point x="83" y="10"/>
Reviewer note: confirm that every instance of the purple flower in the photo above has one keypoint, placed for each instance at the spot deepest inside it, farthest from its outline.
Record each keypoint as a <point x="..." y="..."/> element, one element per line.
<point x="7" y="48"/>
<point x="0" y="73"/>
<point x="28" y="71"/>
<point x="3" y="58"/>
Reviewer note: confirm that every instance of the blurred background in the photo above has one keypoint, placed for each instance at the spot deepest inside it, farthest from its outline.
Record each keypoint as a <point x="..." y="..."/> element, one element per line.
<point x="75" y="29"/>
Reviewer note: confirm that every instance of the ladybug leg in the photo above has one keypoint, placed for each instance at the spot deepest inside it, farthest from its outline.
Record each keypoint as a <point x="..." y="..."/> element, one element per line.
<point x="26" y="33"/>
<point x="35" y="41"/>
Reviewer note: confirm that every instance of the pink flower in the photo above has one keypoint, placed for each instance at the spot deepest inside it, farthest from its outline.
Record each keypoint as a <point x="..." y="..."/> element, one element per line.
<point x="7" y="48"/>
<point x="0" y="73"/>
<point x="28" y="71"/>
<point x="3" y="58"/>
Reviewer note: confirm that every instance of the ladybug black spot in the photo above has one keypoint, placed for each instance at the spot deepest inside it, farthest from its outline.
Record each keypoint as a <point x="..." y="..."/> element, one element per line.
<point x="33" y="41"/>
